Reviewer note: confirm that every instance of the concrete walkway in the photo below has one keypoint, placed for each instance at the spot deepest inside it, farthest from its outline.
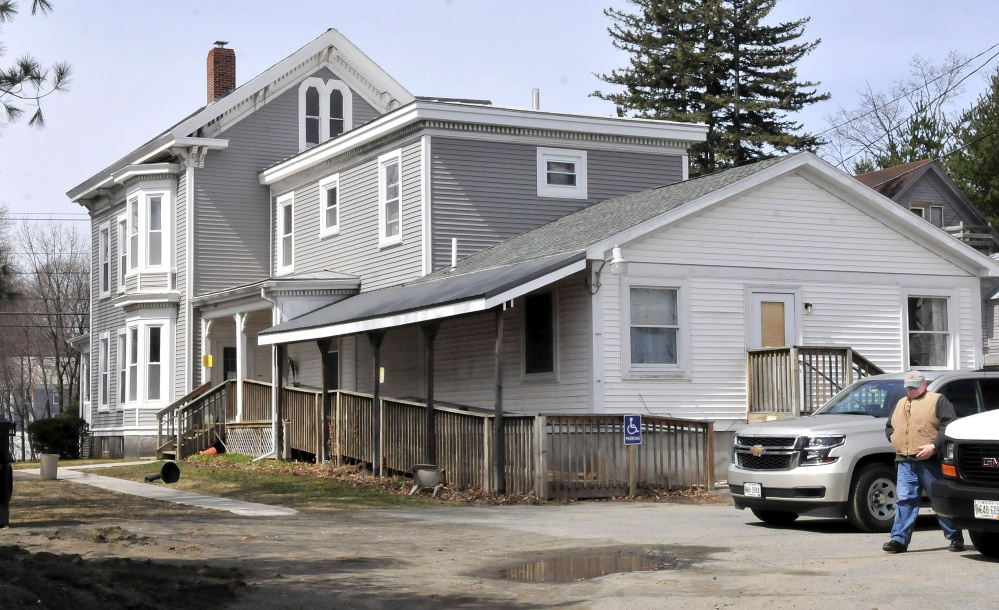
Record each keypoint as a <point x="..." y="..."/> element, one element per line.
<point x="159" y="492"/>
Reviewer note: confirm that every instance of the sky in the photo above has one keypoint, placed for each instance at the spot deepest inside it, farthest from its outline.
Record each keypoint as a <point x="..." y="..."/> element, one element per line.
<point x="139" y="65"/>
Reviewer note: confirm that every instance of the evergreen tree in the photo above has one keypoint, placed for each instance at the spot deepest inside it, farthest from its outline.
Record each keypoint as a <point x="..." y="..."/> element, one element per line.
<point x="976" y="166"/>
<point x="714" y="62"/>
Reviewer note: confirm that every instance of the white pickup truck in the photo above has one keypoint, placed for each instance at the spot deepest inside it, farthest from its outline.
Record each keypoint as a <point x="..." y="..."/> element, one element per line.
<point x="837" y="462"/>
<point x="969" y="491"/>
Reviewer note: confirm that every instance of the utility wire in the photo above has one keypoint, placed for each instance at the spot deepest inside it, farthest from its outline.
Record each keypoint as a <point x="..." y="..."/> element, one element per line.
<point x="943" y="156"/>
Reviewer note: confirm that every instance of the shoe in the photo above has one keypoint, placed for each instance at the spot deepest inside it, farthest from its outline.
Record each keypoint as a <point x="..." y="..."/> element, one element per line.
<point x="894" y="546"/>
<point x="957" y="545"/>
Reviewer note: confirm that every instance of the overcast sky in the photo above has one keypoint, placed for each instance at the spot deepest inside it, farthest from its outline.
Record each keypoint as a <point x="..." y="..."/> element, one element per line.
<point x="139" y="66"/>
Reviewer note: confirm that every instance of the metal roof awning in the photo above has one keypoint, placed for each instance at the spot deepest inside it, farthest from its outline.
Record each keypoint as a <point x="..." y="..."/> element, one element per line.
<point x="437" y="296"/>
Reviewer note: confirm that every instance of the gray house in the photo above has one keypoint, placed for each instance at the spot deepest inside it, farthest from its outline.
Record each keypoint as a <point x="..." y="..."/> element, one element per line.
<point x="319" y="179"/>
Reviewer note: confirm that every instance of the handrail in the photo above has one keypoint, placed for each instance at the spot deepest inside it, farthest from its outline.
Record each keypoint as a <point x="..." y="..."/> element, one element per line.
<point x="195" y="393"/>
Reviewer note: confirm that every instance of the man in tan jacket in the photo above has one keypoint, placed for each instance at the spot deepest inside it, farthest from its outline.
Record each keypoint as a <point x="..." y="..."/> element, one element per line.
<point x="916" y="428"/>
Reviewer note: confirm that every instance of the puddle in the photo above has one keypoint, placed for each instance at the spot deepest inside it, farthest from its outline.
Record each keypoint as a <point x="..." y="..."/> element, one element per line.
<point x="570" y="568"/>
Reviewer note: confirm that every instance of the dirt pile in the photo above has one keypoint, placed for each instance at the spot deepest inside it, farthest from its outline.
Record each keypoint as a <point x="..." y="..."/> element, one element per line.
<point x="48" y="580"/>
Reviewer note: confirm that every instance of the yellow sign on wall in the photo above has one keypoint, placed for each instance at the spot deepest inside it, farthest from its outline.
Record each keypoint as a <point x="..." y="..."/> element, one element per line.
<point x="206" y="361"/>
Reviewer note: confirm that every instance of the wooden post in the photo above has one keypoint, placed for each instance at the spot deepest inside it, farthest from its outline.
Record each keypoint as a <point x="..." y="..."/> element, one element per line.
<point x="499" y="443"/>
<point x="375" y="337"/>
<point x="540" y="457"/>
<point x="336" y="435"/>
<point x="796" y="394"/>
<point x="487" y="448"/>
<point x="429" y="334"/>
<point x="176" y="418"/>
<point x="710" y="449"/>
<point x="849" y="367"/>
<point x="279" y="437"/>
<point x="632" y="467"/>
<point x="324" y="346"/>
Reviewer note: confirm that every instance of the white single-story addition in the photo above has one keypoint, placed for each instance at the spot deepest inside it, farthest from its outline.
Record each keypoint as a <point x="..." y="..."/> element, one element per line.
<point x="784" y="252"/>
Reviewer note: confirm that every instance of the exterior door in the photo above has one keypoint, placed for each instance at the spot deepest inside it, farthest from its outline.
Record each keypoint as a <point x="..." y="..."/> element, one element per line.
<point x="771" y="319"/>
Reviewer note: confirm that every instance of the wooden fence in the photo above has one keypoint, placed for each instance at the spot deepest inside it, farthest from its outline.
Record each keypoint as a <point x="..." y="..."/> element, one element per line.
<point x="256" y="401"/>
<point x="797" y="380"/>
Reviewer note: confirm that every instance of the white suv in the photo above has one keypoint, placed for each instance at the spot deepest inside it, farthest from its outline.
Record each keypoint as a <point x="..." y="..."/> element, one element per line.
<point x="838" y="462"/>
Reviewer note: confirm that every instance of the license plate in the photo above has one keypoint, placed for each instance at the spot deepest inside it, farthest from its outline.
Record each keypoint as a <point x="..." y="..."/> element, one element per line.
<point x="986" y="509"/>
<point x="754" y="490"/>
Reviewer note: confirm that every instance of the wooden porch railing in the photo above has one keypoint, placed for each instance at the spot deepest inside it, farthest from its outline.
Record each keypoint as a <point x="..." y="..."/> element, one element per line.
<point x="195" y="422"/>
<point x="797" y="380"/>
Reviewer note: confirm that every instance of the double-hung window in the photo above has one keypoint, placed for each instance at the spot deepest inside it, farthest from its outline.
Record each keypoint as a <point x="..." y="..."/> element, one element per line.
<point x="562" y="173"/>
<point x="325" y="109"/>
<point x="133" y="364"/>
<point x="133" y="233"/>
<point x="122" y="367"/>
<point x="926" y="211"/>
<point x="329" y="205"/>
<point x="286" y="233"/>
<point x="655" y="319"/>
<point x="929" y="332"/>
<point x="390" y="198"/>
<point x="104" y="361"/>
<point x="122" y="253"/>
<point x="153" y="368"/>
<point x="104" y="259"/>
<point x="154" y="231"/>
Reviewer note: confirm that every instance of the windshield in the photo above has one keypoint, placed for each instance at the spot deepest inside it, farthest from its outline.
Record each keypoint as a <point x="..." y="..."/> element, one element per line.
<point x="876" y="398"/>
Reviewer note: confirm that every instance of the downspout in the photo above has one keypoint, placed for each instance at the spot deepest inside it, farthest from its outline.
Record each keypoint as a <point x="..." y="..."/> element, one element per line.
<point x="189" y="280"/>
<point x="275" y="377"/>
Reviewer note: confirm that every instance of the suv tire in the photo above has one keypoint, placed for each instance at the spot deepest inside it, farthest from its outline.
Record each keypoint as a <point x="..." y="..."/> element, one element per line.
<point x="873" y="499"/>
<point x="987" y="543"/>
<point x="775" y="517"/>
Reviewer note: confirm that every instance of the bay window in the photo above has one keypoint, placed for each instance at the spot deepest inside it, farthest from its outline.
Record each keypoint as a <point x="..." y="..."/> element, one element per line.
<point x="145" y="375"/>
<point x="133" y="232"/>
<point x="153" y="363"/>
<point x="122" y="255"/>
<point x="133" y="364"/>
<point x="155" y="231"/>
<point x="147" y="224"/>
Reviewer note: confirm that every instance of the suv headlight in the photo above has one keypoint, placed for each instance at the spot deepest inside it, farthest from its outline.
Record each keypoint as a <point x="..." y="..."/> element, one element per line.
<point x="817" y="448"/>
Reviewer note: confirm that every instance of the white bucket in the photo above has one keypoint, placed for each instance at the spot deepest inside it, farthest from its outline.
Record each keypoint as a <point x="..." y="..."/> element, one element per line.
<point x="50" y="464"/>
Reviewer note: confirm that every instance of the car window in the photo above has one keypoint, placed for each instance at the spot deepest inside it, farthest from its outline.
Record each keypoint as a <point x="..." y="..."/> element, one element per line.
<point x="990" y="393"/>
<point x="963" y="394"/>
<point x="876" y="398"/>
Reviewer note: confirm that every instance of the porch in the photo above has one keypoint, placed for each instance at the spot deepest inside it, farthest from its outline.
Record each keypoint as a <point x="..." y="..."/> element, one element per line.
<point x="552" y="456"/>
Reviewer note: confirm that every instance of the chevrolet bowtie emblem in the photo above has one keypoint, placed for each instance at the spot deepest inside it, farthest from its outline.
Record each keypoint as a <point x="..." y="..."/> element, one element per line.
<point x="756" y="450"/>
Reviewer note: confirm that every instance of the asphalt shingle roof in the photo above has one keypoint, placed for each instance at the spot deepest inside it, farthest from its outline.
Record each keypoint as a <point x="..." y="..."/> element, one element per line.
<point x="891" y="180"/>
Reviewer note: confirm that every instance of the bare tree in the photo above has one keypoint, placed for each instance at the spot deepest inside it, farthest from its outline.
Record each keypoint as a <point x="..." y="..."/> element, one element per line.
<point x="911" y="120"/>
<point x="56" y="262"/>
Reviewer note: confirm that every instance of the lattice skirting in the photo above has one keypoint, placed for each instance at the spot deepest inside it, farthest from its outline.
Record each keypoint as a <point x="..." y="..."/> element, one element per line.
<point x="248" y="440"/>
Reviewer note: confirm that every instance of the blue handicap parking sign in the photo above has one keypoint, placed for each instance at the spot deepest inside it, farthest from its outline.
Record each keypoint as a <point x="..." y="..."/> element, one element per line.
<point x="632" y="429"/>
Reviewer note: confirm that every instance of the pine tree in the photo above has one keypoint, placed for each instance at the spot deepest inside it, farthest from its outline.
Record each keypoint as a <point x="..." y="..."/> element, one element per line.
<point x="975" y="167"/>
<point x="714" y="62"/>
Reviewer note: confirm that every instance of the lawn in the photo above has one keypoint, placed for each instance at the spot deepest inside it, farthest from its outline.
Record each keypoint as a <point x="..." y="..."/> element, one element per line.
<point x="293" y="485"/>
<point x="37" y="464"/>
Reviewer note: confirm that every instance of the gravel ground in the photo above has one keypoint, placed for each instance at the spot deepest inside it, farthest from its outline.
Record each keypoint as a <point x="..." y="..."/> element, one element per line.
<point x="707" y="555"/>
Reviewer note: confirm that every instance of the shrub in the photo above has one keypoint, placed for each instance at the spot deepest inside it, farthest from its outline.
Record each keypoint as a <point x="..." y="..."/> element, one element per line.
<point x="57" y="435"/>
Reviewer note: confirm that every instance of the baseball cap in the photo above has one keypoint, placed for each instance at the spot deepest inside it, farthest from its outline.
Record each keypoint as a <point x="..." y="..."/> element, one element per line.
<point x="914" y="379"/>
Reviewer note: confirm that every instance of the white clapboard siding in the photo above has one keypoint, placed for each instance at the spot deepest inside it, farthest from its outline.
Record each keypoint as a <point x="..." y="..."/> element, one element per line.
<point x="792" y="234"/>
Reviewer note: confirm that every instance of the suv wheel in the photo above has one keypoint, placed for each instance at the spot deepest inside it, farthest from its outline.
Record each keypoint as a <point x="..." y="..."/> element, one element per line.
<point x="873" y="499"/>
<point x="775" y="517"/>
<point x="987" y="543"/>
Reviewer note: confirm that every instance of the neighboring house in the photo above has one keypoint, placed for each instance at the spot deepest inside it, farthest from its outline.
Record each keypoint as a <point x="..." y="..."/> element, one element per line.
<point x="927" y="191"/>
<point x="203" y="237"/>
<point x="31" y="392"/>
<point x="648" y="303"/>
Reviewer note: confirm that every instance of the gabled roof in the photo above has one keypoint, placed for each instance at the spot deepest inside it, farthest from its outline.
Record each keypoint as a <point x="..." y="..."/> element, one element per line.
<point x="330" y="49"/>
<point x="560" y="248"/>
<point x="890" y="181"/>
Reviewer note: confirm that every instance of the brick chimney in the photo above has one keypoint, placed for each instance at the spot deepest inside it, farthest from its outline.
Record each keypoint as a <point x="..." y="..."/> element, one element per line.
<point x="221" y="71"/>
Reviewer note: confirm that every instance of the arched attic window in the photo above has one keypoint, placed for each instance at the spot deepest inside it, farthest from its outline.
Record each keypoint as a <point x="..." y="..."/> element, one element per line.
<point x="324" y="111"/>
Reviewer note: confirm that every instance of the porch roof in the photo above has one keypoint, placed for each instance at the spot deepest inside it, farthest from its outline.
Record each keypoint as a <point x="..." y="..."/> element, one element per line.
<point x="438" y="296"/>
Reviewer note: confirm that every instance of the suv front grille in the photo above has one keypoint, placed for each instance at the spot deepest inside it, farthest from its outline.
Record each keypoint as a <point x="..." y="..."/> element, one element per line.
<point x="970" y="457"/>
<point x="766" y="441"/>
<point x="773" y="461"/>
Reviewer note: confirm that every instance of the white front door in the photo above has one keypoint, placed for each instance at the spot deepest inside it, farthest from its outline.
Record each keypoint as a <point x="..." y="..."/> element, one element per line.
<point x="771" y="319"/>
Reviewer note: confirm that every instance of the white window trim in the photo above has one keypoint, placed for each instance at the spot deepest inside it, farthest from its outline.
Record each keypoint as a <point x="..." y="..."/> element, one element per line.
<point x="680" y="370"/>
<point x="103" y="367"/>
<point x="104" y="258"/>
<point x="557" y="190"/>
<point x="325" y="88"/>
<point x="324" y="185"/>
<point x="140" y="255"/>
<point x="289" y="200"/>
<point x="142" y="364"/>
<point x="953" y="329"/>
<point x="553" y="376"/>
<point x="122" y="368"/>
<point x="122" y="243"/>
<point x="386" y="159"/>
